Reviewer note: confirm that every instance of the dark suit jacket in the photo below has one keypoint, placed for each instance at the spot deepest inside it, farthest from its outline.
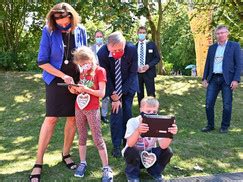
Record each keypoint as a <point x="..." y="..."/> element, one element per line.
<point x="129" y="67"/>
<point x="231" y="62"/>
<point x="152" y="58"/>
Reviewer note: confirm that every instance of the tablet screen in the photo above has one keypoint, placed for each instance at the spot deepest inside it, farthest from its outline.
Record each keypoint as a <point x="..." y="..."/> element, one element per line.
<point x="158" y="126"/>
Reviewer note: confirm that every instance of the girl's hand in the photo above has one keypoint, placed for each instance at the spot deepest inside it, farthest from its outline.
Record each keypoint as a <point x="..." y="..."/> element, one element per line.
<point x="73" y="89"/>
<point x="81" y="88"/>
<point x="173" y="129"/>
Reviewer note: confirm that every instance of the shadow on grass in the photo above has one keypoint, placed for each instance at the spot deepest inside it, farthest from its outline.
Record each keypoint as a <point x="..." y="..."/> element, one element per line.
<point x="197" y="153"/>
<point x="22" y="108"/>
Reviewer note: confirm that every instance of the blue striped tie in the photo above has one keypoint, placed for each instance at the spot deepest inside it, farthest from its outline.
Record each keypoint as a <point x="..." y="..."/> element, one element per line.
<point x="118" y="78"/>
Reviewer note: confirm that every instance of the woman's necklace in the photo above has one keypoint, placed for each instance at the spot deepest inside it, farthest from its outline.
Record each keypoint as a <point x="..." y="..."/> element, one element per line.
<point x="66" y="51"/>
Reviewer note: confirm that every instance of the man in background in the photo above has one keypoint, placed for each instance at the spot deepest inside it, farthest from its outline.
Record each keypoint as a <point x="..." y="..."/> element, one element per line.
<point x="221" y="73"/>
<point x="148" y="57"/>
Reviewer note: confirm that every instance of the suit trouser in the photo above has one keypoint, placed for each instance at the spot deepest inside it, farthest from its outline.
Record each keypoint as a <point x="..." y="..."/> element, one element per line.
<point x="147" y="81"/>
<point x="134" y="164"/>
<point x="119" y="120"/>
<point x="217" y="84"/>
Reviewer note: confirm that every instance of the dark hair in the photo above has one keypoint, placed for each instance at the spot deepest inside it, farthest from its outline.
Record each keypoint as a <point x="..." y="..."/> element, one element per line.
<point x="142" y="28"/>
<point x="59" y="11"/>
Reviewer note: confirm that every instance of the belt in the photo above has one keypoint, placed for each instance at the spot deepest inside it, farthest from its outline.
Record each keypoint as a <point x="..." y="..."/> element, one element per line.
<point x="218" y="74"/>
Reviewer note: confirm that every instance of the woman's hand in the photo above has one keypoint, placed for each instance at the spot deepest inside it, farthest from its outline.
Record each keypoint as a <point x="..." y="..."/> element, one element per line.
<point x="68" y="79"/>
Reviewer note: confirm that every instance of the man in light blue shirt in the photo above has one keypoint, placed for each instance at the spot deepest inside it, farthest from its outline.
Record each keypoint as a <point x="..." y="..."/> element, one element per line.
<point x="221" y="73"/>
<point x="218" y="59"/>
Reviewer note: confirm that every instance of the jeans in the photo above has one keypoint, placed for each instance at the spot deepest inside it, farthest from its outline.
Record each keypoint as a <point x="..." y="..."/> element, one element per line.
<point x="134" y="164"/>
<point x="216" y="85"/>
<point x="118" y="121"/>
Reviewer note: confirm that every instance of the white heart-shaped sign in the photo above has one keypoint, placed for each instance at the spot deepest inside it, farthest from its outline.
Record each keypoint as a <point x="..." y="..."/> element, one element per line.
<point x="83" y="100"/>
<point x="148" y="159"/>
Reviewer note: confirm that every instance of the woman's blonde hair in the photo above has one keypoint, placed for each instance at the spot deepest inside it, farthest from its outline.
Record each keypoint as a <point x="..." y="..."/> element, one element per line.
<point x="83" y="54"/>
<point x="64" y="10"/>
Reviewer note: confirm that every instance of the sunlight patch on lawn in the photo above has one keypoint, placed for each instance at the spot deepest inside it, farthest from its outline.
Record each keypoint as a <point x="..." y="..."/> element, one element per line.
<point x="240" y="155"/>
<point x="2" y="109"/>
<point x="23" y="98"/>
<point x="179" y="88"/>
<point x="22" y="139"/>
<point x="19" y="119"/>
<point x="35" y="77"/>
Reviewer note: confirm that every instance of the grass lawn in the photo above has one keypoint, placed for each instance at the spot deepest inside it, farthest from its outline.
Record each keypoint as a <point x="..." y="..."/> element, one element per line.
<point x="22" y="109"/>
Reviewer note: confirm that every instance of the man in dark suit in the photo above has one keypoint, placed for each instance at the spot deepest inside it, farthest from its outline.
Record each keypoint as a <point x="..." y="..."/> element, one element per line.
<point x="120" y="62"/>
<point x="221" y="73"/>
<point x="148" y="57"/>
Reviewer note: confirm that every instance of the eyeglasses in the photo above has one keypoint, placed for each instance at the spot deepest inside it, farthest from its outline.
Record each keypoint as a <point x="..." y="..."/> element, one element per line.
<point x="220" y="33"/>
<point x="60" y="15"/>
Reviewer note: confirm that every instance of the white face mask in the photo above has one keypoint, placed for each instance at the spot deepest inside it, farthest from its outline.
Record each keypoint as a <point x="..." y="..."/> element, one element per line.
<point x="86" y="67"/>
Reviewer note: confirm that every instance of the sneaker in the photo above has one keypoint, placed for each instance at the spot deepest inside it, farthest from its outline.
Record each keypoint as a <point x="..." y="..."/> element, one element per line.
<point x="158" y="179"/>
<point x="107" y="175"/>
<point x="80" y="171"/>
<point x="133" y="180"/>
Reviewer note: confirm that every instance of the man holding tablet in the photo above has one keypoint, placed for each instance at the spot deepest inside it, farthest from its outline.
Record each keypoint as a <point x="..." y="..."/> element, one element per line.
<point x="142" y="152"/>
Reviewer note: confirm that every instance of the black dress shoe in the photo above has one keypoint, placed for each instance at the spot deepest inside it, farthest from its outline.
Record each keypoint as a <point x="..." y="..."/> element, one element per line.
<point x="104" y="119"/>
<point x="207" y="129"/>
<point x="116" y="152"/>
<point x="223" y="130"/>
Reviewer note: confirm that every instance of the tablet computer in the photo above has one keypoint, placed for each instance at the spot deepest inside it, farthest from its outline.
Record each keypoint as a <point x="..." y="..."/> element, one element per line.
<point x="66" y="84"/>
<point x="158" y="126"/>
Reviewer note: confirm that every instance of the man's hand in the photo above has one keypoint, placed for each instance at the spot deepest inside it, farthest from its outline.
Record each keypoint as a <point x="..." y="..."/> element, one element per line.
<point x="115" y="106"/>
<point x="115" y="97"/>
<point x="234" y="85"/>
<point x="173" y="129"/>
<point x="205" y="83"/>
<point x="145" y="67"/>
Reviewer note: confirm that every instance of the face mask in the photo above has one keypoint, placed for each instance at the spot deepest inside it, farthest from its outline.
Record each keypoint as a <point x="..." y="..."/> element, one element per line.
<point x="141" y="36"/>
<point x="99" y="40"/>
<point x="85" y="68"/>
<point x="64" y="28"/>
<point x="117" y="55"/>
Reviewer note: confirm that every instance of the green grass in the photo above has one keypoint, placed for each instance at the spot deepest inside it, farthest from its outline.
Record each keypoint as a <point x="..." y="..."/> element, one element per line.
<point x="22" y="109"/>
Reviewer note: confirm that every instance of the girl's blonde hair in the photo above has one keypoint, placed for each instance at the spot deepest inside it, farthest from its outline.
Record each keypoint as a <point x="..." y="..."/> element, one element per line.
<point x="64" y="9"/>
<point x="83" y="54"/>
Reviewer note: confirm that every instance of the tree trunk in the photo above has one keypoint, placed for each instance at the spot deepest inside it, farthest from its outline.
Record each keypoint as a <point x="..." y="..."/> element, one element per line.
<point x="155" y="31"/>
<point x="200" y="22"/>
